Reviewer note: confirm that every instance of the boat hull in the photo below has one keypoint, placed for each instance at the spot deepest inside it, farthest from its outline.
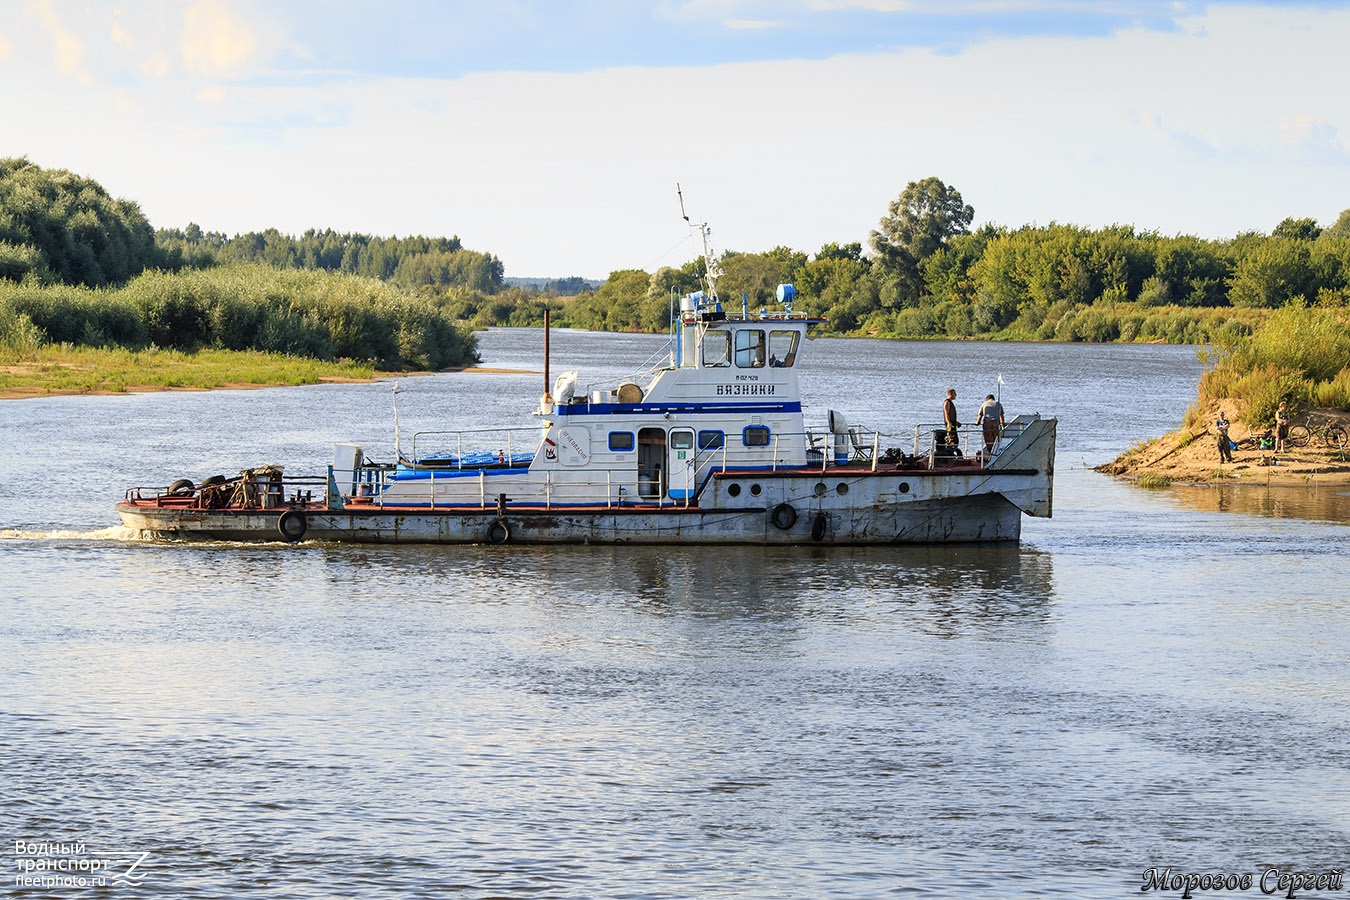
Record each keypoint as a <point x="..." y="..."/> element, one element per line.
<point x="843" y="504"/>
<point x="979" y="517"/>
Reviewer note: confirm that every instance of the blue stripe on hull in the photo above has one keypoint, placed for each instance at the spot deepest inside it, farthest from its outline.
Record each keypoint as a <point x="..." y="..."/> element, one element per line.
<point x="611" y="409"/>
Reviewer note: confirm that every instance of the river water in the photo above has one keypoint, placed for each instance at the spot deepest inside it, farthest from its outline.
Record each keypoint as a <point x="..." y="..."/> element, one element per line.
<point x="1150" y="679"/>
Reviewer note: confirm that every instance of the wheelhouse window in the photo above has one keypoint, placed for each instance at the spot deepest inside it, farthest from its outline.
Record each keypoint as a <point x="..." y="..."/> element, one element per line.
<point x="717" y="348"/>
<point x="755" y="436"/>
<point x="783" y="347"/>
<point x="621" y="441"/>
<point x="711" y="440"/>
<point x="749" y="348"/>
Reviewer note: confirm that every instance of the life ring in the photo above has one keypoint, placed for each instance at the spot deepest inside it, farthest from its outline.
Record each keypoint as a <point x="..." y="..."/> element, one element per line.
<point x="783" y="516"/>
<point x="292" y="525"/>
<point x="213" y="480"/>
<point x="818" y="527"/>
<point x="498" y="532"/>
<point x="182" y="486"/>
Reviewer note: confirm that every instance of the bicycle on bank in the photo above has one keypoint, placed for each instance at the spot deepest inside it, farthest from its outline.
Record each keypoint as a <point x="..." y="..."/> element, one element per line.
<point x="1254" y="441"/>
<point x="1327" y="429"/>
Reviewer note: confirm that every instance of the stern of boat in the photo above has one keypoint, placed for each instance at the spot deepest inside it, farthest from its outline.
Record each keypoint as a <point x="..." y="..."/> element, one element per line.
<point x="1031" y="453"/>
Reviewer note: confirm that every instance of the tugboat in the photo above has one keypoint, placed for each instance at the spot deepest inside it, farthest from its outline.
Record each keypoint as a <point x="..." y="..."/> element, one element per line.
<point x="708" y="447"/>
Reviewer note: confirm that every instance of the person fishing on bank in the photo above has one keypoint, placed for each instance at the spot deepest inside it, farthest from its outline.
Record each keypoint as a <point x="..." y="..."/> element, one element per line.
<point x="1225" y="445"/>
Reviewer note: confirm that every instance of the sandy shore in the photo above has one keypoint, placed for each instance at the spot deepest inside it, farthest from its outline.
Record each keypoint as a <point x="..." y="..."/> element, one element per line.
<point x="1192" y="457"/>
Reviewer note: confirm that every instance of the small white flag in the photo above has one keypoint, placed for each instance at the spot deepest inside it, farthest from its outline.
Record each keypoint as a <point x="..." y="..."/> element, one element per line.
<point x="1000" y="378"/>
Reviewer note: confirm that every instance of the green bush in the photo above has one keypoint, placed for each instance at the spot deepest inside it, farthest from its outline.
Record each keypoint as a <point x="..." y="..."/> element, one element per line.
<point x="1335" y="393"/>
<point x="1266" y="387"/>
<point x="1314" y="342"/>
<point x="302" y="313"/>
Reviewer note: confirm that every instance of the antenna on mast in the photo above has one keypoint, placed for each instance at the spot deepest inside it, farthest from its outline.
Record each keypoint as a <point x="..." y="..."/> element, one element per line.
<point x="704" y="231"/>
<point x="398" y="454"/>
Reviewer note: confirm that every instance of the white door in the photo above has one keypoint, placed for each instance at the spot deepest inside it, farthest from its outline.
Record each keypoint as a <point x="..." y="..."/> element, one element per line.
<point x="680" y="471"/>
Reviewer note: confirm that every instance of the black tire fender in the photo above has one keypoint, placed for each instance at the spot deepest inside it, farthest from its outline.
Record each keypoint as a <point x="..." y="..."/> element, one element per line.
<point x="818" y="526"/>
<point x="499" y="532"/>
<point x="182" y="486"/>
<point x="213" y="480"/>
<point x="292" y="525"/>
<point x="784" y="516"/>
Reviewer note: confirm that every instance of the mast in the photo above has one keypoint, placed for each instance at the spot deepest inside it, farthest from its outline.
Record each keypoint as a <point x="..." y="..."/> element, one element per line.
<point x="547" y="386"/>
<point x="705" y="232"/>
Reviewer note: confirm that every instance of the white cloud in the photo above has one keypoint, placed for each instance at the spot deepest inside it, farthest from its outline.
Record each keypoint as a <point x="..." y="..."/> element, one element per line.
<point x="1231" y="123"/>
<point x="752" y="24"/>
<point x="881" y="6"/>
<point x="217" y="42"/>
<point x="67" y="46"/>
<point x="121" y="37"/>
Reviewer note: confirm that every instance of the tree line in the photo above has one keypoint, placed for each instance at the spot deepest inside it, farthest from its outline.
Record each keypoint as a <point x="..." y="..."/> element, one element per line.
<point x="80" y="267"/>
<point x="412" y="262"/>
<point x="928" y="275"/>
<point x="924" y="273"/>
<point x="61" y="228"/>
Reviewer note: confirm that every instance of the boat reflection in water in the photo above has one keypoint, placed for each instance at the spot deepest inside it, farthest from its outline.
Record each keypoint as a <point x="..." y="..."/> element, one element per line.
<point x="937" y="589"/>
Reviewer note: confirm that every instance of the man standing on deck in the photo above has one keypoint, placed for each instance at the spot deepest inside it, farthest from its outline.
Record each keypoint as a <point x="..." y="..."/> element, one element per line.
<point x="991" y="419"/>
<point x="949" y="417"/>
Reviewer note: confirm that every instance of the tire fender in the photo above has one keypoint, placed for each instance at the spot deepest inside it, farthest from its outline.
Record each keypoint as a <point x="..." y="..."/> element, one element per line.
<point x="818" y="526"/>
<point x="499" y="532"/>
<point x="292" y="525"/>
<point x="784" y="516"/>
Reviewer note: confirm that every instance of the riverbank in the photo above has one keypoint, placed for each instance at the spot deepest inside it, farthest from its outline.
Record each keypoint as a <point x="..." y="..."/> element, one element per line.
<point x="58" y="370"/>
<point x="1191" y="457"/>
<point x="63" y="371"/>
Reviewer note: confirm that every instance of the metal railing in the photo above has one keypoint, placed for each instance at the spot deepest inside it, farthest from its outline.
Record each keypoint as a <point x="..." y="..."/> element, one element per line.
<point x="971" y="437"/>
<point x="474" y="449"/>
<point x="247" y="490"/>
<point x="612" y="486"/>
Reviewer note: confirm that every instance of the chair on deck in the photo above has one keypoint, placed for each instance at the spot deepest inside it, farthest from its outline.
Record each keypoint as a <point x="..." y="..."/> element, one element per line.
<point x="861" y="449"/>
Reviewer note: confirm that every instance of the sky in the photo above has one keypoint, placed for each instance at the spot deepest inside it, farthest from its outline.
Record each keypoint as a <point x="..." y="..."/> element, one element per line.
<point x="553" y="133"/>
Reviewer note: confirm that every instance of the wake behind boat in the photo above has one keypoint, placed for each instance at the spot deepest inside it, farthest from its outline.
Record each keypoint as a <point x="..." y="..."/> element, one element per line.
<point x="708" y="446"/>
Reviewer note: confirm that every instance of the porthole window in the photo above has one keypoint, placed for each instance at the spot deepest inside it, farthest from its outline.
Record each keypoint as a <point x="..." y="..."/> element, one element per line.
<point x="755" y="436"/>
<point x="904" y="487"/>
<point x="733" y="490"/>
<point x="711" y="440"/>
<point x="756" y="490"/>
<point x="841" y="489"/>
<point x="819" y="489"/>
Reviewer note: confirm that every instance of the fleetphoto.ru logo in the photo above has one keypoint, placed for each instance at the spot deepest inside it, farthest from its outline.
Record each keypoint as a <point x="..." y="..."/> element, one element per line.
<point x="54" y="864"/>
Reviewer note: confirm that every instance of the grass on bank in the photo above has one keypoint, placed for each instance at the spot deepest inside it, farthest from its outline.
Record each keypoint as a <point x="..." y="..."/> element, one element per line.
<point x="1300" y="355"/>
<point x="318" y="315"/>
<point x="64" y="369"/>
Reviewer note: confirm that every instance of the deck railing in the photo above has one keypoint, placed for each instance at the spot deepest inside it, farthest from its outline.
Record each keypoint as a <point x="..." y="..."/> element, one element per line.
<point x="930" y="441"/>
<point x="473" y="449"/>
